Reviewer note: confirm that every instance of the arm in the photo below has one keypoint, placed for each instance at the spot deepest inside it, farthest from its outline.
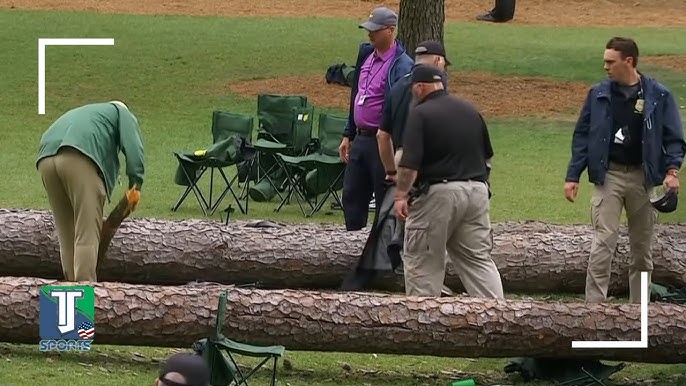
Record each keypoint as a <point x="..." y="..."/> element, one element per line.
<point x="488" y="147"/>
<point x="385" y="144"/>
<point x="132" y="147"/>
<point x="413" y="154"/>
<point x="579" y="160"/>
<point x="383" y="136"/>
<point x="673" y="136"/>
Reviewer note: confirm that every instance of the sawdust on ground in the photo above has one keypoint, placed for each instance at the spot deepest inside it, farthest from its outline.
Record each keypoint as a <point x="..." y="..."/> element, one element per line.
<point x="495" y="96"/>
<point x="673" y="62"/>
<point x="613" y="13"/>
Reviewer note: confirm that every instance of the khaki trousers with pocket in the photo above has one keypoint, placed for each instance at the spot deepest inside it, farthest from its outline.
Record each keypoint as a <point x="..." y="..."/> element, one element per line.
<point x="76" y="194"/>
<point x="623" y="188"/>
<point x="452" y="217"/>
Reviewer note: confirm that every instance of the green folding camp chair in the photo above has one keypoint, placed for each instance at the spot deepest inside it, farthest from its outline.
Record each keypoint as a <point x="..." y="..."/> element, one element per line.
<point x="231" y="137"/>
<point x="285" y="126"/>
<point x="319" y="172"/>
<point x="220" y="353"/>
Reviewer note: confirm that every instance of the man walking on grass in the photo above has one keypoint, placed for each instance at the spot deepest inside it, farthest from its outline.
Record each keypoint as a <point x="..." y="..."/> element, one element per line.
<point x="630" y="137"/>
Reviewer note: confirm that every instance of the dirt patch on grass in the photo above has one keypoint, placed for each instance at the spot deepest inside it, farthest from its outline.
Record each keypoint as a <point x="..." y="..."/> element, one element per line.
<point x="673" y="62"/>
<point x="496" y="96"/>
<point x="549" y="12"/>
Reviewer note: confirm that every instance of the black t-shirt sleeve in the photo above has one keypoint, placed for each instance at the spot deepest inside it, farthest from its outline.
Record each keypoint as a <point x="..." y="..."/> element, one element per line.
<point x="413" y="141"/>
<point x="488" y="148"/>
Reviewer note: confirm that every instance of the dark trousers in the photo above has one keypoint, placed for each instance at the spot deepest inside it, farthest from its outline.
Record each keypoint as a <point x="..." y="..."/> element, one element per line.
<point x="364" y="175"/>
<point x="504" y="9"/>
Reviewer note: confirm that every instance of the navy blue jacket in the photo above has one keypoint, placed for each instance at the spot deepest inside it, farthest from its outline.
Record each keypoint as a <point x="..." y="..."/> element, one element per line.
<point x="663" y="137"/>
<point x="402" y="64"/>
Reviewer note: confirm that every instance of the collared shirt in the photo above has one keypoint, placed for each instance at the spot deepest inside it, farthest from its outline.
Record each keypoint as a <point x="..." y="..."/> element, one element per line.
<point x="369" y="100"/>
<point x="99" y="131"/>
<point x="399" y="101"/>
<point x="446" y="138"/>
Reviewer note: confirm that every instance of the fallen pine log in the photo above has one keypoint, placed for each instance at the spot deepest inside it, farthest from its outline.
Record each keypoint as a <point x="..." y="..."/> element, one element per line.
<point x="176" y="316"/>
<point x="532" y="257"/>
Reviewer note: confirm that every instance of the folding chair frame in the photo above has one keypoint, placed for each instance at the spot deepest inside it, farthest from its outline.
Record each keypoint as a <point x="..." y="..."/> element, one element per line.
<point x="208" y="208"/>
<point x="223" y="347"/>
<point x="296" y="182"/>
<point x="256" y="163"/>
<point x="297" y="174"/>
<point x="276" y="153"/>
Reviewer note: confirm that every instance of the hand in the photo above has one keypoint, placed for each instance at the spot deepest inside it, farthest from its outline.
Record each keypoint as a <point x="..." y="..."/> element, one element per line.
<point x="344" y="150"/>
<point x="671" y="183"/>
<point x="571" y="189"/>
<point x="401" y="207"/>
<point x="133" y="196"/>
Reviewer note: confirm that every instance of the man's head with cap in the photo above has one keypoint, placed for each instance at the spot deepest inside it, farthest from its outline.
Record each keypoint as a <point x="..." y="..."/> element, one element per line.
<point x="381" y="25"/>
<point x="431" y="52"/>
<point x="425" y="80"/>
<point x="184" y="369"/>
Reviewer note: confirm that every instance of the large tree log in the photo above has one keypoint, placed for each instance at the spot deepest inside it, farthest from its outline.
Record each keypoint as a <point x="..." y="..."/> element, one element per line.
<point x="146" y="315"/>
<point x="532" y="257"/>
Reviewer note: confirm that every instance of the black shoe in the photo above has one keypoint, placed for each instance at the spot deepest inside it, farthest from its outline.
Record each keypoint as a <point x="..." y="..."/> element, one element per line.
<point x="490" y="17"/>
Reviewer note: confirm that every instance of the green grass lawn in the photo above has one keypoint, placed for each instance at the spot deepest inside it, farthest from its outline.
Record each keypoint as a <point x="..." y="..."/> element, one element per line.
<point x="174" y="72"/>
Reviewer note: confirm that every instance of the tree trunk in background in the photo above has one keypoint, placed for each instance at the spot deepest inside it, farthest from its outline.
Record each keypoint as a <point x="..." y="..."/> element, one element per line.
<point x="355" y="322"/>
<point x="420" y="20"/>
<point x="532" y="257"/>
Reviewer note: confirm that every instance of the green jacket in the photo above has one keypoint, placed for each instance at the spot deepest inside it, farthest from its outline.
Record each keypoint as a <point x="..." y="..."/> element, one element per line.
<point x="99" y="131"/>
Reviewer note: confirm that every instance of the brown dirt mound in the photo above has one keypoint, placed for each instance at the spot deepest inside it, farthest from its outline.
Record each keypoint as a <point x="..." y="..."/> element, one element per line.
<point x="496" y="96"/>
<point x="674" y="62"/>
<point x="550" y="12"/>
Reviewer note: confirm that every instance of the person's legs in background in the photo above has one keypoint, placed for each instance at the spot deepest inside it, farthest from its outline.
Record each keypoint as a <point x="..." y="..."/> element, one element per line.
<point x="503" y="11"/>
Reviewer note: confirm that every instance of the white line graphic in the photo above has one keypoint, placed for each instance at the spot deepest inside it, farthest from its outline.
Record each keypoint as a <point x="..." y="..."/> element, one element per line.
<point x="59" y="42"/>
<point x="643" y="343"/>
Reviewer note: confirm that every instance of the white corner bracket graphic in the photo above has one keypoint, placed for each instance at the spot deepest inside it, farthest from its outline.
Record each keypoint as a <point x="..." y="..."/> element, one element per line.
<point x="643" y="343"/>
<point x="59" y="42"/>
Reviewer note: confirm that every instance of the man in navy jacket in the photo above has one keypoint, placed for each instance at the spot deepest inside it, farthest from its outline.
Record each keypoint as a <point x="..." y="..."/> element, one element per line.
<point x="629" y="136"/>
<point x="380" y="64"/>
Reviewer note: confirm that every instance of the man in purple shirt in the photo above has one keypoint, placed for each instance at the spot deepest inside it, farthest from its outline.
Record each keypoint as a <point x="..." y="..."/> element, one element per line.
<point x="380" y="64"/>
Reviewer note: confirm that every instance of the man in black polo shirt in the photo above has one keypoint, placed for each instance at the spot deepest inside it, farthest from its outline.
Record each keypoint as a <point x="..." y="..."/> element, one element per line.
<point x="445" y="150"/>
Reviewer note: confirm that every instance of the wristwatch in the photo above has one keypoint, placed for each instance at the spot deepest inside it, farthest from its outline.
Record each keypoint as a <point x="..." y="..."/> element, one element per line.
<point x="673" y="172"/>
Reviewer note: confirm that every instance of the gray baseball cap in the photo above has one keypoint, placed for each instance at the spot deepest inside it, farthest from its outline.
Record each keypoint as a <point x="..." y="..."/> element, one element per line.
<point x="380" y="18"/>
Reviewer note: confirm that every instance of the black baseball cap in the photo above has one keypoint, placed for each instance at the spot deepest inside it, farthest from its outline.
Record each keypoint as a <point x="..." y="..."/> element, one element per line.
<point x="193" y="368"/>
<point x="665" y="203"/>
<point x="423" y="73"/>
<point x="431" y="47"/>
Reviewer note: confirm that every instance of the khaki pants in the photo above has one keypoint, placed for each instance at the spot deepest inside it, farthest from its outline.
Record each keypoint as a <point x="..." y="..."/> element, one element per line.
<point x="76" y="193"/>
<point x="623" y="188"/>
<point x="452" y="217"/>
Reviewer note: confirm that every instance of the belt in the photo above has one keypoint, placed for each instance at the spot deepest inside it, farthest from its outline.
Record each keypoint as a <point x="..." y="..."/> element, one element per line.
<point x="367" y="132"/>
<point x="445" y="181"/>
<point x="622" y="167"/>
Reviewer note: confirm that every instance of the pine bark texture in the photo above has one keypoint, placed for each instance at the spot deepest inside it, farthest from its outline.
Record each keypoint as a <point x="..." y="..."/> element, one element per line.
<point x="420" y="20"/>
<point x="532" y="257"/>
<point x="145" y="315"/>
